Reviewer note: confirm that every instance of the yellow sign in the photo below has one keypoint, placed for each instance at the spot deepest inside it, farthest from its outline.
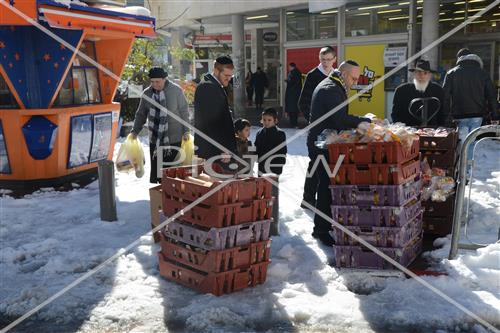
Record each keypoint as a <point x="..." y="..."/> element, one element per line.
<point x="371" y="62"/>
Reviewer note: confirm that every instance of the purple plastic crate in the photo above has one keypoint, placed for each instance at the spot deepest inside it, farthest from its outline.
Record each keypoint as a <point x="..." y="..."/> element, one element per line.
<point x="381" y="236"/>
<point x="360" y="257"/>
<point x="376" y="216"/>
<point x="219" y="238"/>
<point x="376" y="195"/>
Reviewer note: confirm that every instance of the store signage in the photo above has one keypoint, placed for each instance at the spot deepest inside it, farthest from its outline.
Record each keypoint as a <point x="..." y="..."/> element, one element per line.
<point x="270" y="36"/>
<point x="393" y="56"/>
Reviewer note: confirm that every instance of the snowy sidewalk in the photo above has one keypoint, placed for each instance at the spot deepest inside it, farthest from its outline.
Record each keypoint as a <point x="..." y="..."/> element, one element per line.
<point x="49" y="239"/>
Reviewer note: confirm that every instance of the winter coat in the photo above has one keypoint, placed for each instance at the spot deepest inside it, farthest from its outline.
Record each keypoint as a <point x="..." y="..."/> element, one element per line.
<point x="212" y="117"/>
<point x="313" y="78"/>
<point x="175" y="103"/>
<point x="468" y="89"/>
<point x="403" y="96"/>
<point x="267" y="139"/>
<point x="329" y="94"/>
<point x="293" y="89"/>
<point x="260" y="82"/>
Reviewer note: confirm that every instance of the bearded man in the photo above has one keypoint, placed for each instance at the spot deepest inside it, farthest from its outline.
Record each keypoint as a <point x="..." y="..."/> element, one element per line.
<point x="421" y="87"/>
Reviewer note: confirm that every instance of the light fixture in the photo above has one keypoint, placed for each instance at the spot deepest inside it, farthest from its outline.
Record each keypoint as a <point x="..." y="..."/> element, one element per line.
<point x="389" y="11"/>
<point x="403" y="3"/>
<point x="373" y="7"/>
<point x="257" y="17"/>
<point x="470" y="1"/>
<point x="420" y="1"/>
<point x="446" y="19"/>
<point x="362" y="14"/>
<point x="470" y="10"/>
<point x="458" y="18"/>
<point x="398" y="18"/>
<point x="290" y="13"/>
<point x="494" y="24"/>
<point x="496" y="14"/>
<point x="329" y="12"/>
<point x="482" y="21"/>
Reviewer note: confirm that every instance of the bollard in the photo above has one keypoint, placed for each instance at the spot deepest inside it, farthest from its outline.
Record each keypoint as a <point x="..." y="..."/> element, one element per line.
<point x="106" y="170"/>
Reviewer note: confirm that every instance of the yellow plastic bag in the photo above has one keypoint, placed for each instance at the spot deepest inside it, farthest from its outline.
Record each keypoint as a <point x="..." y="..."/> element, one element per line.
<point x="131" y="156"/>
<point x="186" y="153"/>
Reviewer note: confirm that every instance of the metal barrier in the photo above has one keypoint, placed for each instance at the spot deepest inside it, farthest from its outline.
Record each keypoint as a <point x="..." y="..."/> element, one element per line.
<point x="462" y="182"/>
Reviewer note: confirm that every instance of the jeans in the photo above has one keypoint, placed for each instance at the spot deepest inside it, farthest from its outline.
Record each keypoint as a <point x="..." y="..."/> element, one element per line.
<point x="465" y="126"/>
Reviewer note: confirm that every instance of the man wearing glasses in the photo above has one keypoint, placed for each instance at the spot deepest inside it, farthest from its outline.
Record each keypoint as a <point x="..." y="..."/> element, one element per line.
<point x="212" y="115"/>
<point x="327" y="58"/>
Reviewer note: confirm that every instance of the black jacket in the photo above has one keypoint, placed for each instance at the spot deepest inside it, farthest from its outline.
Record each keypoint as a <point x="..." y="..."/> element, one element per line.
<point x="403" y="96"/>
<point x="267" y="139"/>
<point x="259" y="81"/>
<point x="293" y="89"/>
<point x="313" y="78"/>
<point x="328" y="95"/>
<point x="468" y="89"/>
<point x="212" y="117"/>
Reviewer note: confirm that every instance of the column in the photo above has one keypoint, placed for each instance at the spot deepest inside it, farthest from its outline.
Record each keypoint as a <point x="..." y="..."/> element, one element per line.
<point x="340" y="34"/>
<point x="430" y="29"/>
<point x="283" y="61"/>
<point x="238" y="47"/>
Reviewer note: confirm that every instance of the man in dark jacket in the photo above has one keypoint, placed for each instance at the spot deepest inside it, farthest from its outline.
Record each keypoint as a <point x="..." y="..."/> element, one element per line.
<point x="260" y="84"/>
<point x="211" y="111"/>
<point x="292" y="94"/>
<point x="327" y="58"/>
<point x="421" y="87"/>
<point x="164" y="130"/>
<point x="469" y="93"/>
<point x="328" y="95"/>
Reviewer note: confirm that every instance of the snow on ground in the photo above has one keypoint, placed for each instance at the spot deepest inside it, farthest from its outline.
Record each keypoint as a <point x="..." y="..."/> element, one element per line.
<point x="49" y="239"/>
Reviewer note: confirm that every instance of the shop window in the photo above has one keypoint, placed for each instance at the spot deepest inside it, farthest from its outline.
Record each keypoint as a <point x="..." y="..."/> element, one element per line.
<point x="7" y="100"/>
<point x="454" y="13"/>
<point x="81" y="84"/>
<point x="4" y="157"/>
<point x="376" y="17"/>
<point x="302" y="25"/>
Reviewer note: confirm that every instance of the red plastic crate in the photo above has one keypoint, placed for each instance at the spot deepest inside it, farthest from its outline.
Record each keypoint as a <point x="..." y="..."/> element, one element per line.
<point x="220" y="216"/>
<point x="362" y="257"/>
<point x="214" y="283"/>
<point x="216" y="261"/>
<point x="372" y="152"/>
<point x="175" y="186"/>
<point x="376" y="174"/>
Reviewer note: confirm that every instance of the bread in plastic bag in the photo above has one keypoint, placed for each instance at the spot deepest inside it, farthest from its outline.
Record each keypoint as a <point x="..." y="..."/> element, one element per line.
<point x="186" y="153"/>
<point x="131" y="157"/>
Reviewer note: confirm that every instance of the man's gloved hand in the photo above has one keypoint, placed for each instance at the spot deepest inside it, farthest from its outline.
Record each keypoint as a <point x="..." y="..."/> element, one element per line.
<point x="185" y="137"/>
<point x="133" y="135"/>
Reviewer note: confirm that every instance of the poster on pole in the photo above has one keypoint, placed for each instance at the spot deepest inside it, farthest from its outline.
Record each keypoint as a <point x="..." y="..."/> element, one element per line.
<point x="101" y="140"/>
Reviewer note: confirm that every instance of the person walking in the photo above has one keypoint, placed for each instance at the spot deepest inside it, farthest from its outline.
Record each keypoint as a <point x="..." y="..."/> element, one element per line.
<point x="292" y="94"/>
<point x="260" y="84"/>
<point x="249" y="86"/>
<point x="165" y="132"/>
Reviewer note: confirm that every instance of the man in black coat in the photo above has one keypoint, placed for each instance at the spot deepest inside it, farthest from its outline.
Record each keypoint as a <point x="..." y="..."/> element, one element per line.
<point x="328" y="95"/>
<point x="327" y="58"/>
<point x="421" y="87"/>
<point x="211" y="111"/>
<point x="260" y="84"/>
<point x="292" y="94"/>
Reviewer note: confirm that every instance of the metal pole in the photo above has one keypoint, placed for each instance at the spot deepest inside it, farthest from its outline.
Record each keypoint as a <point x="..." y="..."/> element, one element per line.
<point x="462" y="182"/>
<point x="238" y="47"/>
<point x="107" y="199"/>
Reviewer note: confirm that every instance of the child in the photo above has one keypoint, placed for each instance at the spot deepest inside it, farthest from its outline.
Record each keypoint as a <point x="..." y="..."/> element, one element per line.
<point x="267" y="139"/>
<point x="243" y="145"/>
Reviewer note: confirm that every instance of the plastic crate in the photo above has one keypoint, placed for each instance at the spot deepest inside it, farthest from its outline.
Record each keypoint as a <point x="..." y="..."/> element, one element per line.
<point x="439" y="209"/>
<point x="377" y="195"/>
<point x="381" y="236"/>
<point x="438" y="226"/>
<point x="219" y="238"/>
<point x="376" y="216"/>
<point x="361" y="257"/>
<point x="220" y="216"/>
<point x="176" y="186"/>
<point x="441" y="158"/>
<point x="372" y="152"/>
<point x="216" y="261"/>
<point x="214" y="283"/>
<point x="439" y="142"/>
<point x="155" y="205"/>
<point x="376" y="174"/>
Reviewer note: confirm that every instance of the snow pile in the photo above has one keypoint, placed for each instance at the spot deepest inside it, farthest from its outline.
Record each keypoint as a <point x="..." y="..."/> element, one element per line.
<point x="49" y="239"/>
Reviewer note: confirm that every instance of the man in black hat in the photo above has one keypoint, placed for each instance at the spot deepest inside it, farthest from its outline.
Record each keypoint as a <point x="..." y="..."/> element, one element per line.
<point x="164" y="131"/>
<point x="421" y="87"/>
<point x="211" y="111"/>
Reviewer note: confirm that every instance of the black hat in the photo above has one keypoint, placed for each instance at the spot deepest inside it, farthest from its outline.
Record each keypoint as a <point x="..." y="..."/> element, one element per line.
<point x="157" y="73"/>
<point x="224" y="60"/>
<point x="462" y="52"/>
<point x="422" y="65"/>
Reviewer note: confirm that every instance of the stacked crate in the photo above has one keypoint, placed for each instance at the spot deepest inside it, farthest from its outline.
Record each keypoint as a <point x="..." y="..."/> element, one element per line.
<point x="442" y="153"/>
<point x="376" y="195"/>
<point x="220" y="245"/>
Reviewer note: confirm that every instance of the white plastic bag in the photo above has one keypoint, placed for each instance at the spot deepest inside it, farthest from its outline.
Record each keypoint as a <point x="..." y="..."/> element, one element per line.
<point x="131" y="157"/>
